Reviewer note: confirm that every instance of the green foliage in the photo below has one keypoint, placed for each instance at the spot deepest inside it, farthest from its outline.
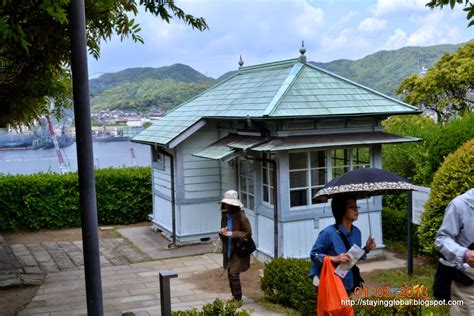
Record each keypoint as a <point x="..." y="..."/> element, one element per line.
<point x="146" y="93"/>
<point x="409" y="159"/>
<point x="34" y="57"/>
<point x="48" y="200"/>
<point x="454" y="177"/>
<point x="468" y="7"/>
<point x="384" y="70"/>
<point x="394" y="225"/>
<point x="216" y="308"/>
<point x="388" y="306"/>
<point x="445" y="88"/>
<point x="286" y="282"/>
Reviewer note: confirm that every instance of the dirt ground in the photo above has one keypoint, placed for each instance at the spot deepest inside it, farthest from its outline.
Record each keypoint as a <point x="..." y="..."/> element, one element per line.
<point x="216" y="281"/>
<point x="12" y="300"/>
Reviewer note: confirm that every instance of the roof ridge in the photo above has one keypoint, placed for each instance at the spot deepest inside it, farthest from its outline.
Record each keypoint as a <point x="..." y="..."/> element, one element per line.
<point x="275" y="64"/>
<point x="294" y="73"/>
<point x="361" y="86"/>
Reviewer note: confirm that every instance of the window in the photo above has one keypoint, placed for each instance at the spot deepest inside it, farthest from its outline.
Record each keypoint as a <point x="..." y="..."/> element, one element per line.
<point x="158" y="160"/>
<point x="246" y="183"/>
<point x="310" y="171"/>
<point x="267" y="182"/>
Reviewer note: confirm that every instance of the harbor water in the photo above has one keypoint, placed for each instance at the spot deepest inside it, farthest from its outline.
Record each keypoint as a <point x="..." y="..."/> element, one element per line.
<point x="106" y="154"/>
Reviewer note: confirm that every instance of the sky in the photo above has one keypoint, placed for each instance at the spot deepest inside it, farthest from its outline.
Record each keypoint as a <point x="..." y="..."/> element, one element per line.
<point x="269" y="30"/>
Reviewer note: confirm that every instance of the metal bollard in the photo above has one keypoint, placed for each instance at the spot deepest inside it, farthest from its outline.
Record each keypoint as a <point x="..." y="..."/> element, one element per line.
<point x="165" y="291"/>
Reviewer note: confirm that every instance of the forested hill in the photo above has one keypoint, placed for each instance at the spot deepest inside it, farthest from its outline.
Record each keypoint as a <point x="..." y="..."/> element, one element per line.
<point x="142" y="88"/>
<point x="384" y="71"/>
<point x="166" y="87"/>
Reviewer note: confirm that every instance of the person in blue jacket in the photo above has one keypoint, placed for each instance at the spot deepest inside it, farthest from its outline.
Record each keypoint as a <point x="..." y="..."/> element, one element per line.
<point x="330" y="242"/>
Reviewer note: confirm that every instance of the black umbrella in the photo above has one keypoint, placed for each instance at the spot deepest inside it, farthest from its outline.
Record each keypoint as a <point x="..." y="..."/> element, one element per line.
<point x="363" y="183"/>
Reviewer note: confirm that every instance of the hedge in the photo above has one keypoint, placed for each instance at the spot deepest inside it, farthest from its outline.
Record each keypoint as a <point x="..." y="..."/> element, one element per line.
<point x="51" y="200"/>
<point x="454" y="177"/>
<point x="286" y="282"/>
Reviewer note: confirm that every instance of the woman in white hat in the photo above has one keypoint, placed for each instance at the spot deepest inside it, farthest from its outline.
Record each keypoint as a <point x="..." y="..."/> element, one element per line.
<point x="234" y="227"/>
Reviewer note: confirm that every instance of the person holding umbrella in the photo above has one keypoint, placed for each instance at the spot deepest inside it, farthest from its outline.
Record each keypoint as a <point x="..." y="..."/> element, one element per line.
<point x="335" y="240"/>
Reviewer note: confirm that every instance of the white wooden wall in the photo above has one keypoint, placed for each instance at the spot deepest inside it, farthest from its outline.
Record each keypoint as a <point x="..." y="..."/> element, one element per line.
<point x="201" y="176"/>
<point x="265" y="235"/>
<point x="162" y="212"/>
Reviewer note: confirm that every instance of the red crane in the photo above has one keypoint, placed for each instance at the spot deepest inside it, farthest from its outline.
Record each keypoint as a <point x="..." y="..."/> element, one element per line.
<point x="62" y="164"/>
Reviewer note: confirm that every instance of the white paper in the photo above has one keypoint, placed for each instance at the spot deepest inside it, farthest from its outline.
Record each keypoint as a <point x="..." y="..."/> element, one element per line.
<point x="356" y="253"/>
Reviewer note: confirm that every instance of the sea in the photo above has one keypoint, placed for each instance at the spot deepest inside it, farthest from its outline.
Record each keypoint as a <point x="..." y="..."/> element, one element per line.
<point x="106" y="154"/>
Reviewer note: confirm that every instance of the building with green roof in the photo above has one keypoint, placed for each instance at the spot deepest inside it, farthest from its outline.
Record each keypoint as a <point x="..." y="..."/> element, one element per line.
<point x="276" y="133"/>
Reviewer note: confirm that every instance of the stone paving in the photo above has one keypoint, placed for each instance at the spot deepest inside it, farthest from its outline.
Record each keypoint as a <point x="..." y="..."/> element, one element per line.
<point x="48" y="257"/>
<point x="132" y="288"/>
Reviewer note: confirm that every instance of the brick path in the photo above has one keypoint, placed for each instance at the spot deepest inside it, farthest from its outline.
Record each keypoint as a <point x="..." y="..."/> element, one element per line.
<point x="131" y="288"/>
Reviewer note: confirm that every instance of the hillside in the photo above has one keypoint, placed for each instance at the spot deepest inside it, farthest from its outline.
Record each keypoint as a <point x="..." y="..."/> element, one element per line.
<point x="166" y="87"/>
<point x="385" y="70"/>
<point x="142" y="88"/>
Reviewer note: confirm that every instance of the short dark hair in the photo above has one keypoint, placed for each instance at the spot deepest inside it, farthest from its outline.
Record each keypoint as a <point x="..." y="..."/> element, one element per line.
<point x="339" y="204"/>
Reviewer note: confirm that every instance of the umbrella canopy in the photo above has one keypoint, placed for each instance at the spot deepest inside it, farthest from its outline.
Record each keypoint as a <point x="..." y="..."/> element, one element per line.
<point x="363" y="183"/>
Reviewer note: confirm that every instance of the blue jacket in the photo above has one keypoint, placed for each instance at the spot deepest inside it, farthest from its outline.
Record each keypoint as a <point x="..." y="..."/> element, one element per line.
<point x="329" y="243"/>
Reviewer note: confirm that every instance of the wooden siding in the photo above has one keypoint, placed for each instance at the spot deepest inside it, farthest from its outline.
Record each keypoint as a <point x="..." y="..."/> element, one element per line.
<point x="162" y="212"/>
<point x="298" y="238"/>
<point x="199" y="218"/>
<point x="200" y="176"/>
<point x="162" y="179"/>
<point x="265" y="235"/>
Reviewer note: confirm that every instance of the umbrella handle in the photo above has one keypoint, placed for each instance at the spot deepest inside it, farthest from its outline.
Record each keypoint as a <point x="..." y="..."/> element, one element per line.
<point x="368" y="215"/>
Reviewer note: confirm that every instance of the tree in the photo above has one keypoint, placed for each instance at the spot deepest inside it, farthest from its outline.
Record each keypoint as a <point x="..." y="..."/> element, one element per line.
<point x="447" y="88"/>
<point x="35" y="48"/>
<point x="468" y="7"/>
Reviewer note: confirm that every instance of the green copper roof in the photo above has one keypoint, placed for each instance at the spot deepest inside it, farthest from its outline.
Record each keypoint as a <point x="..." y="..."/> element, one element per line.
<point x="280" y="89"/>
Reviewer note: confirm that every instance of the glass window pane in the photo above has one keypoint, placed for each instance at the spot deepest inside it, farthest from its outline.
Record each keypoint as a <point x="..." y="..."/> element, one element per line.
<point x="361" y="156"/>
<point x="265" y="194"/>
<point x="244" y="199"/>
<point x="242" y="167"/>
<point x="298" y="161"/>
<point x="250" y="185"/>
<point x="250" y="167"/>
<point x="318" y="159"/>
<point x="313" y="192"/>
<point x="338" y="171"/>
<point x="340" y="157"/>
<point x="264" y="176"/>
<point x="243" y="184"/>
<point x="298" y="179"/>
<point x="298" y="198"/>
<point x="251" y="202"/>
<point x="318" y="177"/>
<point x="272" y="196"/>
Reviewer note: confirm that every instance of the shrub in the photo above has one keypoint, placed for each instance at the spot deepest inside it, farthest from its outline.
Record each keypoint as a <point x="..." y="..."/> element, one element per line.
<point x="454" y="177"/>
<point x="49" y="200"/>
<point x="218" y="307"/>
<point x="286" y="282"/>
<point x="394" y="225"/>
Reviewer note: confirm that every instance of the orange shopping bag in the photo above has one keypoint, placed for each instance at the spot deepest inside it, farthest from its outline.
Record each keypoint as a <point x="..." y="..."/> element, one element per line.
<point x="331" y="293"/>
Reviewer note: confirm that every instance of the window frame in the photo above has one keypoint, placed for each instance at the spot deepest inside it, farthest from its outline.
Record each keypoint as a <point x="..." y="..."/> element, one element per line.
<point x="269" y="186"/>
<point x="249" y="176"/>
<point x="329" y="167"/>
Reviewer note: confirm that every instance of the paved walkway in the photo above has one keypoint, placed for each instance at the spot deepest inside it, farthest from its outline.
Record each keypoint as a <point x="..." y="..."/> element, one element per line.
<point x="132" y="288"/>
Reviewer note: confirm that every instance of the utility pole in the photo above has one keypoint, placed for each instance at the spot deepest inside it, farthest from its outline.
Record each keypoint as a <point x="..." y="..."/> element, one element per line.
<point x="85" y="158"/>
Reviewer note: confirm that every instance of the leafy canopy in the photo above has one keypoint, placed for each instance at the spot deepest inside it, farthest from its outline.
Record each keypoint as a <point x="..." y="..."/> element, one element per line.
<point x="446" y="89"/>
<point x="468" y="7"/>
<point x="35" y="48"/>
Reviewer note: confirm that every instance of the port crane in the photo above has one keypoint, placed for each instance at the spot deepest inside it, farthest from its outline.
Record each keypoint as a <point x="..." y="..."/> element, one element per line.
<point x="63" y="166"/>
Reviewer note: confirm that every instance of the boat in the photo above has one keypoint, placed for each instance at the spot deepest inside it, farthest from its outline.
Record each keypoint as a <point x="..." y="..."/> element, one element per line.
<point x="13" y="141"/>
<point x="63" y="141"/>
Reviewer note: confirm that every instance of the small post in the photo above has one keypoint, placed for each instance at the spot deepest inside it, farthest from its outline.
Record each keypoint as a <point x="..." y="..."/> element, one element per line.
<point x="165" y="291"/>
<point x="409" y="233"/>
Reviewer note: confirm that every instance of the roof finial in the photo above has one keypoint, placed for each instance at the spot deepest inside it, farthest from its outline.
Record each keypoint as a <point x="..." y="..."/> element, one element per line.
<point x="241" y="61"/>
<point x="302" y="51"/>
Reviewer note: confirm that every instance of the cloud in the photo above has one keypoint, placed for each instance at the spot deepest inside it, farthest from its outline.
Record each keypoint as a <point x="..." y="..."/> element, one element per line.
<point x="398" y="8"/>
<point x="372" y="24"/>
<point x="431" y="30"/>
<point x="346" y="18"/>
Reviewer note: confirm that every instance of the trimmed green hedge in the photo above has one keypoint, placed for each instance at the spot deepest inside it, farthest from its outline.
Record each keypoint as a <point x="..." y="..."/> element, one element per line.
<point x="50" y="200"/>
<point x="454" y="177"/>
<point x="286" y="282"/>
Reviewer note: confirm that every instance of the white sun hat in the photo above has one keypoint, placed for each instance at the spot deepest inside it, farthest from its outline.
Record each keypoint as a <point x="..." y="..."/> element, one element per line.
<point x="231" y="197"/>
